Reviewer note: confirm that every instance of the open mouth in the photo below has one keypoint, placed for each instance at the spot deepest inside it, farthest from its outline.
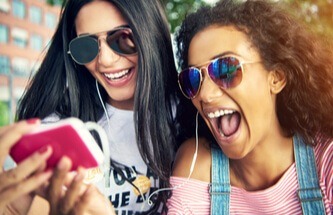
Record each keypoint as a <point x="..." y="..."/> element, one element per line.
<point x="226" y="122"/>
<point x="117" y="76"/>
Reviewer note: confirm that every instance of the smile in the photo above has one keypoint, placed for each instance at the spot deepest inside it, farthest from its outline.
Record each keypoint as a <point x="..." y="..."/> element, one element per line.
<point x="118" y="75"/>
<point x="220" y="113"/>
<point x="225" y="122"/>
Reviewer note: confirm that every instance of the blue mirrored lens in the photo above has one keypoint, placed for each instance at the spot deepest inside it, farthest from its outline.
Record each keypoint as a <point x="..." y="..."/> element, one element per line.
<point x="225" y="72"/>
<point x="189" y="81"/>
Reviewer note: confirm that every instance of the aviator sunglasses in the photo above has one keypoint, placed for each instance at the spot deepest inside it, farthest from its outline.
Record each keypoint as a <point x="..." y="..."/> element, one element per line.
<point x="226" y="72"/>
<point x="85" y="48"/>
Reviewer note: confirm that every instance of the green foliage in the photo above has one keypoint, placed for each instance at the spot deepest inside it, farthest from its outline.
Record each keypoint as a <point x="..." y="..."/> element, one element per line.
<point x="4" y="113"/>
<point x="55" y="2"/>
<point x="317" y="13"/>
<point x="176" y="10"/>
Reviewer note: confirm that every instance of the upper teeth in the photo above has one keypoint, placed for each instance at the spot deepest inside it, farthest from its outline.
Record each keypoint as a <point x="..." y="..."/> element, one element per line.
<point x="116" y="75"/>
<point x="219" y="113"/>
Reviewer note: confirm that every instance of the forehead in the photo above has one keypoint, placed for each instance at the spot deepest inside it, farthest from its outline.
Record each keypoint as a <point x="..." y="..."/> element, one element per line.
<point x="98" y="16"/>
<point x="217" y="41"/>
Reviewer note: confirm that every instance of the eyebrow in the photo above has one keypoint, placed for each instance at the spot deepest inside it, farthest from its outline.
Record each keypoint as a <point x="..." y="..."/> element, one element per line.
<point x="223" y="54"/>
<point x="115" y="28"/>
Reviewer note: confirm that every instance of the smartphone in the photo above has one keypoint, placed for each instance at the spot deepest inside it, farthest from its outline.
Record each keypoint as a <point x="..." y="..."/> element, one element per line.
<point x="68" y="137"/>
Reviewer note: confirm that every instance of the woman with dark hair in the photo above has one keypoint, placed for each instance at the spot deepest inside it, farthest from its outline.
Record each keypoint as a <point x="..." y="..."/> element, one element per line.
<point x="262" y="83"/>
<point x="112" y="62"/>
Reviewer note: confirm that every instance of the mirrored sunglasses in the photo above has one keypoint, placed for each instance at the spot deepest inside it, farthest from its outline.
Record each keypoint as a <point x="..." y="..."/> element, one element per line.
<point x="226" y="72"/>
<point x="85" y="48"/>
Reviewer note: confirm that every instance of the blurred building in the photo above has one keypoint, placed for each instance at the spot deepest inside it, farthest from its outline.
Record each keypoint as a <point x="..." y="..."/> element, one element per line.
<point x="26" y="28"/>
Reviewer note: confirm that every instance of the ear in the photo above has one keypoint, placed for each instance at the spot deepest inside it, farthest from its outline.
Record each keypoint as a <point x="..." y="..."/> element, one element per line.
<point x="277" y="81"/>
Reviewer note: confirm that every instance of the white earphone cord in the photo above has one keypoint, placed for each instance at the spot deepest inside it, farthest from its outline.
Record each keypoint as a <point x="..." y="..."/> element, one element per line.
<point x="191" y="169"/>
<point x="105" y="146"/>
<point x="106" y="149"/>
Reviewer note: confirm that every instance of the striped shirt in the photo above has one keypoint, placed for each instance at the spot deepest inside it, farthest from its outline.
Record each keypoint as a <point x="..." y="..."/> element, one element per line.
<point x="193" y="196"/>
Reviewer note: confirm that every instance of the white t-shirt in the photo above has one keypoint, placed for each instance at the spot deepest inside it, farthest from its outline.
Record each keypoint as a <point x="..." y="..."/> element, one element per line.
<point x="124" y="150"/>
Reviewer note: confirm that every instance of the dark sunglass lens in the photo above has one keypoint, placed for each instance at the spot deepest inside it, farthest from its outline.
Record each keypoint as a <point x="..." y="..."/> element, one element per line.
<point x="225" y="72"/>
<point x="189" y="81"/>
<point x="122" y="42"/>
<point x="83" y="49"/>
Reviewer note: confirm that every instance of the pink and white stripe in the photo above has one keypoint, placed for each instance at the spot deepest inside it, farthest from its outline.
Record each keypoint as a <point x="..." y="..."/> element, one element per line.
<point x="193" y="197"/>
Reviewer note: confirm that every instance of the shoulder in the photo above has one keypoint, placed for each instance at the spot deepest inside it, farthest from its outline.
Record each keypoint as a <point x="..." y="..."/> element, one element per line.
<point x="184" y="158"/>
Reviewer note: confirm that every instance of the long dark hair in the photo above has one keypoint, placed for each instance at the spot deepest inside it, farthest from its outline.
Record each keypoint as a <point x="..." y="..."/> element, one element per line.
<point x="63" y="87"/>
<point x="304" y="106"/>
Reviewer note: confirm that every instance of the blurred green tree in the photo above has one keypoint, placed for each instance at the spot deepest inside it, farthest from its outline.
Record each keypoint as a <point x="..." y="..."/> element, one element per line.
<point x="4" y="114"/>
<point x="317" y="13"/>
<point x="176" y="10"/>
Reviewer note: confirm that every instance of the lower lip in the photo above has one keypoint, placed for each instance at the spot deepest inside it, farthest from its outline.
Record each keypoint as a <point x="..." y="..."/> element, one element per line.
<point x="121" y="82"/>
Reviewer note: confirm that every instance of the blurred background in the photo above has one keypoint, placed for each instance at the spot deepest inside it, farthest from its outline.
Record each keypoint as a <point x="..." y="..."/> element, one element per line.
<point x="27" y="26"/>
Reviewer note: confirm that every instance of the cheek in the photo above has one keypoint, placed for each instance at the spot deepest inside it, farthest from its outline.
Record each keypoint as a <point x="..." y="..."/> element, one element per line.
<point x="196" y="103"/>
<point x="257" y="108"/>
<point x="91" y="67"/>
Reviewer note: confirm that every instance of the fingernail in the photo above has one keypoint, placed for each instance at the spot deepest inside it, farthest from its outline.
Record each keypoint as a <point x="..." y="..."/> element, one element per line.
<point x="32" y="121"/>
<point x="89" y="190"/>
<point x="43" y="149"/>
<point x="48" y="173"/>
<point x="62" y="165"/>
<point x="79" y="176"/>
<point x="81" y="173"/>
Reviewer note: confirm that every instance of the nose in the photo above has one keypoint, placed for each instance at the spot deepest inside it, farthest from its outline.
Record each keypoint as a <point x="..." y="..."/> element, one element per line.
<point x="209" y="90"/>
<point x="106" y="55"/>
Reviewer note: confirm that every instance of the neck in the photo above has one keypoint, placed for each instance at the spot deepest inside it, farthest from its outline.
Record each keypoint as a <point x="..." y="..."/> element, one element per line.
<point x="263" y="166"/>
<point x="123" y="105"/>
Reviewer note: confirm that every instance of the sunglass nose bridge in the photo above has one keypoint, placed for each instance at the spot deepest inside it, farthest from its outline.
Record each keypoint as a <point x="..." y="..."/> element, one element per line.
<point x="106" y="55"/>
<point x="204" y="72"/>
<point x="101" y="39"/>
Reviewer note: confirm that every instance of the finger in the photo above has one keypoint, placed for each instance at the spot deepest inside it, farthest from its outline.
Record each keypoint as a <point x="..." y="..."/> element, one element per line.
<point x="42" y="190"/>
<point x="87" y="203"/>
<point x="83" y="204"/>
<point x="12" y="133"/>
<point x="56" y="183"/>
<point x="69" y="178"/>
<point x="25" y="168"/>
<point x="73" y="192"/>
<point x="9" y="135"/>
<point x="23" y="188"/>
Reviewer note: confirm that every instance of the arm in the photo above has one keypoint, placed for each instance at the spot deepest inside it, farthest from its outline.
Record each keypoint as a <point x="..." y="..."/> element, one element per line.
<point x="184" y="159"/>
<point x="190" y="196"/>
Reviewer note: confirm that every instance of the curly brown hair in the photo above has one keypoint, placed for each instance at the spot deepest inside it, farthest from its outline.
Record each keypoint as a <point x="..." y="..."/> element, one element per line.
<point x="284" y="43"/>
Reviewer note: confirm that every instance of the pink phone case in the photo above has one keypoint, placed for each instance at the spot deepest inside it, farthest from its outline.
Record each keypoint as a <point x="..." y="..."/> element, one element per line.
<point x="67" y="137"/>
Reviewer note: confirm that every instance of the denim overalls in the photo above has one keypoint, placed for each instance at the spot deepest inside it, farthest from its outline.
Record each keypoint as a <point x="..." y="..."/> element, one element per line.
<point x="309" y="191"/>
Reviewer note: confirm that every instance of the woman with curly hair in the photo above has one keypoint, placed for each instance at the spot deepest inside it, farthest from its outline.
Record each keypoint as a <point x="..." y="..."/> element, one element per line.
<point x="262" y="83"/>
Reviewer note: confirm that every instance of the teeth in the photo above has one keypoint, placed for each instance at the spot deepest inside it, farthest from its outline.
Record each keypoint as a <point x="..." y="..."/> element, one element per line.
<point x="219" y="113"/>
<point x="116" y="75"/>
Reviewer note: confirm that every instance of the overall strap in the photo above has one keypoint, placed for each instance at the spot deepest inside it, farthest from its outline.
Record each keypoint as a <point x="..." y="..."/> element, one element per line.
<point x="220" y="186"/>
<point x="309" y="192"/>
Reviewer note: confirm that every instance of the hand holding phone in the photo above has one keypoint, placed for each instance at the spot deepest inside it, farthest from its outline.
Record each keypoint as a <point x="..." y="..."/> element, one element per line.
<point x="69" y="137"/>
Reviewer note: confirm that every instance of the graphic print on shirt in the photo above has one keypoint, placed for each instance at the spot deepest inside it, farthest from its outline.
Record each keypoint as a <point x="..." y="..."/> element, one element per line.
<point x="127" y="196"/>
<point x="124" y="153"/>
